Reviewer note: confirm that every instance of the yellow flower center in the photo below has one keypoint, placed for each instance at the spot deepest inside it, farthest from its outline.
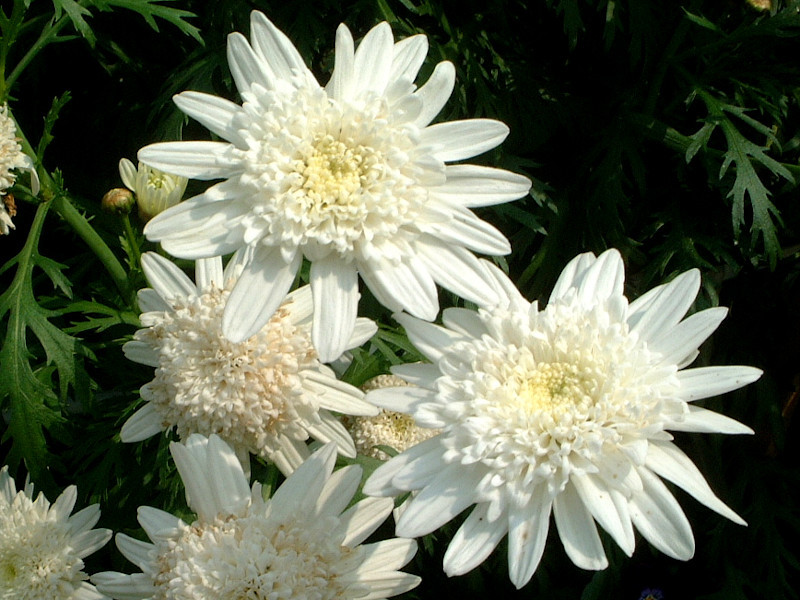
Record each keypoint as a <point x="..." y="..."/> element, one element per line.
<point x="335" y="172"/>
<point x="552" y="386"/>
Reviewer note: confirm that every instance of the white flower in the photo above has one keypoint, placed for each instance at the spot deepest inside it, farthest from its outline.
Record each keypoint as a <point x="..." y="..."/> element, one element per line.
<point x="6" y="224"/>
<point x="42" y="547"/>
<point x="155" y="190"/>
<point x="352" y="176"/>
<point x="300" y="544"/>
<point x="11" y="155"/>
<point x="263" y="395"/>
<point x="388" y="428"/>
<point x="563" y="410"/>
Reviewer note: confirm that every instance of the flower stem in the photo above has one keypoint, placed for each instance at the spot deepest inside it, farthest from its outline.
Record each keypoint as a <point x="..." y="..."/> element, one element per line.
<point x="133" y="242"/>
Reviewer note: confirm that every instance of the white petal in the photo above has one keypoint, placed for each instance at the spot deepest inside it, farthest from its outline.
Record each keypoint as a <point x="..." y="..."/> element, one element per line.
<point x="577" y="531"/>
<point x="456" y="140"/>
<point x="667" y="308"/>
<point x="465" y="229"/>
<point x="300" y="304"/>
<point x="527" y="534"/>
<point x="336" y="395"/>
<point x="572" y="271"/>
<point x="384" y="585"/>
<point x="277" y="51"/>
<point x="380" y="482"/>
<point x="701" y="420"/>
<point x="144" y="423"/>
<point x="137" y="586"/>
<point x="432" y="340"/>
<point x="258" y="293"/>
<point x="373" y="60"/>
<point x="195" y="160"/>
<point x="705" y="382"/>
<point x="340" y="86"/>
<point x="134" y="550"/>
<point x="213" y="112"/>
<point x="473" y="185"/>
<point x="677" y="342"/>
<point x="290" y="455"/>
<point x="421" y="374"/>
<point x="338" y="491"/>
<point x="359" y="521"/>
<point x="659" y="518"/>
<point x="435" y="92"/>
<point x="246" y="67"/>
<point x="141" y="353"/>
<point x="150" y="300"/>
<point x="65" y="503"/>
<point x="669" y="462"/>
<point x="474" y="541"/>
<point x="603" y="279"/>
<point x="421" y="471"/>
<point x="158" y="524"/>
<point x="332" y="430"/>
<point x="362" y="332"/>
<point x="85" y="519"/>
<point x="298" y="494"/>
<point x="208" y="271"/>
<point x="409" y="54"/>
<point x="334" y="287"/>
<point x="401" y="399"/>
<point x="386" y="555"/>
<point x="166" y="278"/>
<point x="504" y="288"/>
<point x="410" y="286"/>
<point x="128" y="172"/>
<point x="609" y="508"/>
<point x="439" y="502"/>
<point x="456" y="269"/>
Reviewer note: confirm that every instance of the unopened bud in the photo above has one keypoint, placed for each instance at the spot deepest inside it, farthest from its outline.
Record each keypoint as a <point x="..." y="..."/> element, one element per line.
<point x="118" y="201"/>
<point x="761" y="5"/>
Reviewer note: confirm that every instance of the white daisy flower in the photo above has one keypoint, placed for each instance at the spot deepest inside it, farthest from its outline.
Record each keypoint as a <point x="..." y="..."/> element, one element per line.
<point x="11" y="155"/>
<point x="564" y="410"/>
<point x="6" y="224"/>
<point x="299" y="544"/>
<point x="265" y="395"/>
<point x="42" y="547"/>
<point x="352" y="176"/>
<point x="155" y="190"/>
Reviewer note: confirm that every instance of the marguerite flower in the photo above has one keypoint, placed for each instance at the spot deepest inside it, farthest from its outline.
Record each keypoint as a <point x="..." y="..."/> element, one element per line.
<point x="155" y="190"/>
<point x="352" y="176"/>
<point x="11" y="155"/>
<point x="42" y="547"/>
<point x="265" y="395"/>
<point x="299" y="544"/>
<point x="565" y="410"/>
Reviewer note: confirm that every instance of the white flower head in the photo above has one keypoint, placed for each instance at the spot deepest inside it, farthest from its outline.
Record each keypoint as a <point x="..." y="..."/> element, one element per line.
<point x="303" y="543"/>
<point x="265" y="395"/>
<point x="6" y="224"/>
<point x="565" y="410"/>
<point x="11" y="155"/>
<point x="155" y="190"/>
<point x="42" y="547"/>
<point x="388" y="428"/>
<point x="351" y="175"/>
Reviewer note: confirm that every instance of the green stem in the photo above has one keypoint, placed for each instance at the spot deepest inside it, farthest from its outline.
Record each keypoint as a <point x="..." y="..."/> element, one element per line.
<point x="48" y="35"/>
<point x="132" y="241"/>
<point x="86" y="232"/>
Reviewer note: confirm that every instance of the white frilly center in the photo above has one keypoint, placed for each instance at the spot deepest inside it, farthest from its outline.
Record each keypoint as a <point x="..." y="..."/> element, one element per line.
<point x="331" y="176"/>
<point x="255" y="558"/>
<point x="558" y="393"/>
<point x="249" y="393"/>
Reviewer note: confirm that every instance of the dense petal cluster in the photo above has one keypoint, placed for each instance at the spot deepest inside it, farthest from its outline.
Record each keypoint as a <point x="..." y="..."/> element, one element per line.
<point x="264" y="395"/>
<point x="351" y="176"/>
<point x="11" y="155"/>
<point x="42" y="547"/>
<point x="302" y="543"/>
<point x="155" y="190"/>
<point x="565" y="410"/>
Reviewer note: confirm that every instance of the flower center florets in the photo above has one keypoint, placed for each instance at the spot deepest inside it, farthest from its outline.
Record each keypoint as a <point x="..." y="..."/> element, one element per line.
<point x="251" y="557"/>
<point x="552" y="387"/>
<point x="247" y="393"/>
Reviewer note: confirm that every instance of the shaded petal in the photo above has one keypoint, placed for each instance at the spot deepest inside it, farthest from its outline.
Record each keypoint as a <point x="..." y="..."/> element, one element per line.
<point x="609" y="508"/>
<point x="409" y="286"/>
<point x="380" y="482"/>
<point x="298" y="494"/>
<point x="275" y="49"/>
<point x="705" y="382"/>
<point x="456" y="140"/>
<point x="666" y="308"/>
<point x="137" y="586"/>
<point x="473" y="185"/>
<point x="401" y="399"/>
<point x="409" y="54"/>
<point x="134" y="550"/>
<point x="158" y="524"/>
<point x="359" y="521"/>
<point x="246" y="67"/>
<point x="465" y="229"/>
<point x="362" y="332"/>
<point x="215" y="113"/>
<point x="338" y="491"/>
<point x="140" y="352"/>
<point x="166" y="278"/>
<point x="150" y="301"/>
<point x="435" y="92"/>
<point x="474" y="541"/>
<point x="570" y="273"/>
<point x="432" y="340"/>
<point x="577" y="530"/>
<point x="334" y="287"/>
<point x="144" y="423"/>
<point x="128" y="173"/>
<point x="195" y="160"/>
<point x="386" y="555"/>
<point x="384" y="585"/>
<point x="527" y="535"/>
<point x="669" y="462"/>
<point x="258" y="293"/>
<point x="677" y="342"/>
<point x="336" y="395"/>
<point x="208" y="271"/>
<point x="330" y="429"/>
<point x="707" y="421"/>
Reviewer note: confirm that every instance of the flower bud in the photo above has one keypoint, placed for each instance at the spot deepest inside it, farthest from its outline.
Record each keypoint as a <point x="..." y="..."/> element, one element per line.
<point x="118" y="201"/>
<point x="155" y="190"/>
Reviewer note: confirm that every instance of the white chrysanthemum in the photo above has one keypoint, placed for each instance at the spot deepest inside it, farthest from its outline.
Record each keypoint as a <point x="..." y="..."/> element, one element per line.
<point x="388" y="428"/>
<point x="42" y="547"/>
<point x="352" y="176"/>
<point x="6" y="224"/>
<point x="300" y="544"/>
<point x="265" y="395"/>
<point x="563" y="410"/>
<point x="11" y="155"/>
<point x="155" y="190"/>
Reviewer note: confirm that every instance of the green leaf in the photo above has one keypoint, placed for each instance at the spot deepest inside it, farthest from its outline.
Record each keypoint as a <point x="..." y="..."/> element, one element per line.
<point x="32" y="404"/>
<point x="151" y="10"/>
<point x="76" y="14"/>
<point x="702" y="22"/>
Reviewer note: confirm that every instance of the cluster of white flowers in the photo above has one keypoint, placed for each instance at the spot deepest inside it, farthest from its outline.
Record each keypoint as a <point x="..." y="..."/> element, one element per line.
<point x="12" y="158"/>
<point x="521" y="412"/>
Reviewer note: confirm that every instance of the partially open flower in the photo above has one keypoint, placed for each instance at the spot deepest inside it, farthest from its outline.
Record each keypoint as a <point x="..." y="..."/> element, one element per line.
<point x="155" y="190"/>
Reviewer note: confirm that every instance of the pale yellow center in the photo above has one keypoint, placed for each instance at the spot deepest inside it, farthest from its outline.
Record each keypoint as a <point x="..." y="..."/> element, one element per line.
<point x="335" y="172"/>
<point x="553" y="386"/>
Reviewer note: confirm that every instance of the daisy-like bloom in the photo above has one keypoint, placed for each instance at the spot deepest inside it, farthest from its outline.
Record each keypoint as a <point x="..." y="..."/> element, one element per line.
<point x="11" y="155"/>
<point x="565" y="410"/>
<point x="388" y="428"/>
<point x="155" y="190"/>
<point x="352" y="176"/>
<point x="300" y="544"/>
<point x="42" y="547"/>
<point x="265" y="395"/>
